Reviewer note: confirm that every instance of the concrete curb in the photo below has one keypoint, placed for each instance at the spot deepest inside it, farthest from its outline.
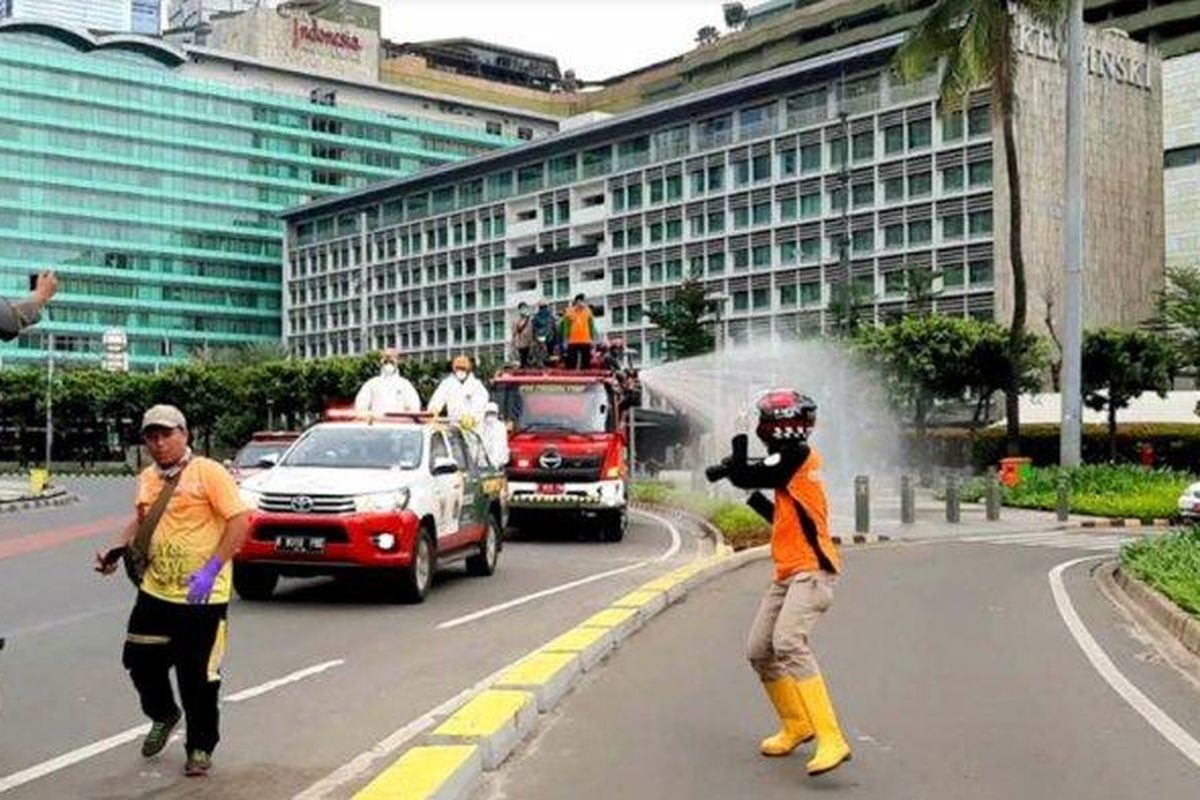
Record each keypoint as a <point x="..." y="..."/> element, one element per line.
<point x="1116" y="522"/>
<point x="60" y="498"/>
<point x="480" y="734"/>
<point x="1179" y="624"/>
<point x="714" y="533"/>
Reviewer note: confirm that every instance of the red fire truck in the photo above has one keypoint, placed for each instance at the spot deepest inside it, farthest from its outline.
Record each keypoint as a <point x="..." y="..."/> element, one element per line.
<point x="567" y="445"/>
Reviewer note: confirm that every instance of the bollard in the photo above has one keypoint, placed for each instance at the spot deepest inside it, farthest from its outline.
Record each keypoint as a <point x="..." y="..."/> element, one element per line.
<point x="993" y="498"/>
<point x="1062" y="506"/>
<point x="953" y="511"/>
<point x="862" y="504"/>
<point x="908" y="500"/>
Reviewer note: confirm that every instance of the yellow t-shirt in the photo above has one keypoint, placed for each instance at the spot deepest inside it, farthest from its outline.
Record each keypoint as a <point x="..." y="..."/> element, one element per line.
<point x="190" y="529"/>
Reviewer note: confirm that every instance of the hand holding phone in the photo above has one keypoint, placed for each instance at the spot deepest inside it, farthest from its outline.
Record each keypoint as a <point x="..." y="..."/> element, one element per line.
<point x="106" y="562"/>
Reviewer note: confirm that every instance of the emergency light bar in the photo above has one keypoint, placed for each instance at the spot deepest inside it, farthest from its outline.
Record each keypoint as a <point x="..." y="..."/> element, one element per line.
<point x="349" y="414"/>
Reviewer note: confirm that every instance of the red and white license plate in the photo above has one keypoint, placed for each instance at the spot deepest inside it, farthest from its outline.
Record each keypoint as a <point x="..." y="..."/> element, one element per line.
<point x="550" y="488"/>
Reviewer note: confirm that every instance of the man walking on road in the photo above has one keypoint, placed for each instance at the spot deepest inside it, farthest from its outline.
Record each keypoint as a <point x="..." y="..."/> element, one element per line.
<point x="196" y="522"/>
<point x="16" y="317"/>
<point x="806" y="569"/>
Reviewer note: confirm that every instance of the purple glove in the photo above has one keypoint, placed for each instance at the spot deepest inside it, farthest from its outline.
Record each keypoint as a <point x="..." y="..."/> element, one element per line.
<point x="200" y="584"/>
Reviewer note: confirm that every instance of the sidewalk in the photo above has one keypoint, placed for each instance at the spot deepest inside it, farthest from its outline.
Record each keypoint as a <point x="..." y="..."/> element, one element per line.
<point x="15" y="496"/>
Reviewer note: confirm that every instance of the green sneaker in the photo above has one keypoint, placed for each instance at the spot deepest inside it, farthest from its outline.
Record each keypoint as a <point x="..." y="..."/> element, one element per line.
<point x="159" y="733"/>
<point x="198" y="764"/>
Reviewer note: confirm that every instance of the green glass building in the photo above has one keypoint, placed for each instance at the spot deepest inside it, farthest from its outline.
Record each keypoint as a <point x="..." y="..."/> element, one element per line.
<point x="154" y="193"/>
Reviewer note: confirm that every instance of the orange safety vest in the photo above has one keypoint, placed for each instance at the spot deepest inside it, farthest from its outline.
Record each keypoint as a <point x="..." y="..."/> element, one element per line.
<point x="579" y="325"/>
<point x="791" y="549"/>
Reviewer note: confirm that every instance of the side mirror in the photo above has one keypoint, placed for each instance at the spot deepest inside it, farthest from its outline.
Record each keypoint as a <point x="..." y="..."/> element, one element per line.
<point x="445" y="466"/>
<point x="269" y="460"/>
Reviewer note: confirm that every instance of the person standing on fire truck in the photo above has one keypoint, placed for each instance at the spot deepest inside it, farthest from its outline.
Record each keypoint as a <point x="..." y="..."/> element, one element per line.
<point x="461" y="395"/>
<point x="806" y="569"/>
<point x="389" y="392"/>
<point x="579" y="332"/>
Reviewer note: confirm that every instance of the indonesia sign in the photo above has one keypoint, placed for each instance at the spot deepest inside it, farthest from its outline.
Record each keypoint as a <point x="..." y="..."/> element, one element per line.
<point x="310" y="31"/>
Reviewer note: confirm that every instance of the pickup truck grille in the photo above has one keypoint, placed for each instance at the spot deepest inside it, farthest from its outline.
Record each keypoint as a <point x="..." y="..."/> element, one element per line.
<point x="574" y="469"/>
<point x="307" y="503"/>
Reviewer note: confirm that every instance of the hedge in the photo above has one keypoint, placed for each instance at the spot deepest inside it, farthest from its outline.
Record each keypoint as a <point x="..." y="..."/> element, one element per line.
<point x="741" y="527"/>
<point x="1170" y="564"/>
<point x="1176" y="445"/>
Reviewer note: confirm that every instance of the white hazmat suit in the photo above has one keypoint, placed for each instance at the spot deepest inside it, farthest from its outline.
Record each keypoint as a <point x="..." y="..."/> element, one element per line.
<point x="387" y="393"/>
<point x="495" y="436"/>
<point x="460" y="399"/>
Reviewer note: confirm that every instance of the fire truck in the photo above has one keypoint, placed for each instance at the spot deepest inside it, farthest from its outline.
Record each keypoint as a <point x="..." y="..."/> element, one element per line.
<point x="568" y="434"/>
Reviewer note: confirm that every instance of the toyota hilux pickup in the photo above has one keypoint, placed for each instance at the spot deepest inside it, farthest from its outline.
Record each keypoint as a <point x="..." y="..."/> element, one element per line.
<point x="395" y="497"/>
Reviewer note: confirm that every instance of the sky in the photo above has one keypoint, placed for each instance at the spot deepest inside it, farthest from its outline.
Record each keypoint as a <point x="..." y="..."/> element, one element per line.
<point x="596" y="38"/>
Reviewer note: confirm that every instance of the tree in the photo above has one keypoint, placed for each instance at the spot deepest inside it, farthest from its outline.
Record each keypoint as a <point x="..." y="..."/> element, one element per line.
<point x="973" y="38"/>
<point x="680" y="319"/>
<point x="847" y="301"/>
<point x="1118" y="366"/>
<point x="708" y="35"/>
<point x="735" y="15"/>
<point x="1179" y="313"/>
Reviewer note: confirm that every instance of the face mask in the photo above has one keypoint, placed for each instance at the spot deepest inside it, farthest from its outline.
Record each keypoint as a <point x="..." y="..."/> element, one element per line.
<point x="524" y="312"/>
<point x="388" y="369"/>
<point x="460" y="374"/>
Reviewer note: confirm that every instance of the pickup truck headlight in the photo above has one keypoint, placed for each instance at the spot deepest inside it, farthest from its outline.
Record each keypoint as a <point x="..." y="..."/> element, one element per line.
<point x="381" y="501"/>
<point x="250" y="497"/>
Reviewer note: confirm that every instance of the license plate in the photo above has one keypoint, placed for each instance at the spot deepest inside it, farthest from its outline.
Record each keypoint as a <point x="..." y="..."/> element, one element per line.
<point x="300" y="544"/>
<point x="550" y="488"/>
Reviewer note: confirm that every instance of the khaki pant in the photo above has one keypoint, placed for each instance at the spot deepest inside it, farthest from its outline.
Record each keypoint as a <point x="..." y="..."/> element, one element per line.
<point x="779" y="637"/>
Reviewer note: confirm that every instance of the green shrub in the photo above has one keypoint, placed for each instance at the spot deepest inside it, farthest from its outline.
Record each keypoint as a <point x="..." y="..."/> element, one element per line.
<point x="741" y="526"/>
<point x="1169" y="563"/>
<point x="1176" y="446"/>
<point x="654" y="492"/>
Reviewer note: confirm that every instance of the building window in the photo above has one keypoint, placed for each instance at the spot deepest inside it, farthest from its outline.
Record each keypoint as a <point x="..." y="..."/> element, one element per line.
<point x="529" y="179"/>
<point x="524" y="133"/>
<point x="952" y="227"/>
<point x="981" y="273"/>
<point x="952" y="127"/>
<point x="788" y="209"/>
<point x="761" y="255"/>
<point x="674" y="229"/>
<point x="920" y="232"/>
<point x="716" y="221"/>
<point x="1181" y="157"/>
<point x="979" y="223"/>
<point x="893" y="139"/>
<point x="716" y="263"/>
<point x="762" y="213"/>
<point x="696" y="266"/>
<point x="618" y="240"/>
<point x="807" y="108"/>
<point x="633" y="196"/>
<point x="656" y="191"/>
<point x="674" y="187"/>
<point x="656" y="273"/>
<point x="893" y="190"/>
<point x="893" y="236"/>
<point x="864" y="146"/>
<point x="757" y="122"/>
<point x="837" y="199"/>
<point x="741" y="218"/>
<point x="741" y="259"/>
<point x="618" y="198"/>
<point x="788" y="252"/>
<point x="952" y="179"/>
<point x="696" y="226"/>
<point x="980" y="173"/>
<point x="656" y="232"/>
<point x="837" y="153"/>
<point x="762" y="168"/>
<point x="864" y="285"/>
<point x="810" y="294"/>
<point x="741" y="173"/>
<point x="597" y="162"/>
<point x="633" y="152"/>
<point x="919" y="134"/>
<point x="863" y="241"/>
<point x="635" y="277"/>
<point x="674" y="269"/>
<point x="761" y="298"/>
<point x="633" y="235"/>
<point x="810" y="250"/>
<point x="618" y="278"/>
<point x="716" y="177"/>
<point x="697" y="179"/>
<point x="979" y="120"/>
<point x="863" y="194"/>
<point x="714" y="132"/>
<point x="810" y="205"/>
<point x="787" y="163"/>
<point x="810" y="158"/>
<point x="894" y="282"/>
<point x="787" y="296"/>
<point x="741" y="301"/>
<point x="919" y="185"/>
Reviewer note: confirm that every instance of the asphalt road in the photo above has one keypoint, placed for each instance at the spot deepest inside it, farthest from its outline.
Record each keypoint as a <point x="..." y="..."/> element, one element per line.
<point x="951" y="667"/>
<point x="356" y="669"/>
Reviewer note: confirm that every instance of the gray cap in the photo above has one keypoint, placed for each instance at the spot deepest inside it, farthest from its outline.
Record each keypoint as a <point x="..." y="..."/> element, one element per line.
<point x="163" y="416"/>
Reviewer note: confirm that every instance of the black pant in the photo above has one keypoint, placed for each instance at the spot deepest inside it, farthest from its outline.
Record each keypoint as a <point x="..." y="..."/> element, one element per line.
<point x="189" y="638"/>
<point x="579" y="356"/>
<point x="523" y="356"/>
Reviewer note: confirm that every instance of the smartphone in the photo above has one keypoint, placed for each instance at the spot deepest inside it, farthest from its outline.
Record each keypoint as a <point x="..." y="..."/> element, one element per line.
<point x="33" y="279"/>
<point x="114" y="555"/>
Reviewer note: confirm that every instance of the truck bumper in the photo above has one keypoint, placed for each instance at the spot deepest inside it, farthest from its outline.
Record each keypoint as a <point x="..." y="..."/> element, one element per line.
<point x="598" y="496"/>
<point x="351" y="540"/>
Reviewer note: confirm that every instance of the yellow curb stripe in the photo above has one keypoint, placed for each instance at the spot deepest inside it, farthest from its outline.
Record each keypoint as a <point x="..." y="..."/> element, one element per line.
<point x="610" y="618"/>
<point x="485" y="713"/>
<point x="668" y="581"/>
<point x="575" y="640"/>
<point x="418" y="773"/>
<point x="538" y="669"/>
<point x="637" y="599"/>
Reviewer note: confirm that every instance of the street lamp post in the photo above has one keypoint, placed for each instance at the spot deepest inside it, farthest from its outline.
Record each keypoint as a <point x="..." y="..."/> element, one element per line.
<point x="1072" y="363"/>
<point x="49" y="401"/>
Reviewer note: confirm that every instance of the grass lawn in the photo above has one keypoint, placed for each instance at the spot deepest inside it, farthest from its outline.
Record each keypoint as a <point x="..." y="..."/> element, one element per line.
<point x="1169" y="563"/>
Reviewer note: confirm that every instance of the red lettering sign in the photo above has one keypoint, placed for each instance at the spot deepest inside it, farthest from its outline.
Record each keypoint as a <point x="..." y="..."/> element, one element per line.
<point x="312" y="32"/>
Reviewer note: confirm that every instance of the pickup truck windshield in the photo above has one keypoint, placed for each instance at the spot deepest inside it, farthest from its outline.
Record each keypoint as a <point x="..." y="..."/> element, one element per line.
<point x="572" y="407"/>
<point x="253" y="453"/>
<point x="378" y="447"/>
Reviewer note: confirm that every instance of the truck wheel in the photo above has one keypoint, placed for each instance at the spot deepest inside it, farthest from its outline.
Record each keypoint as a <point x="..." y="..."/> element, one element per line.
<point x="254" y="583"/>
<point x="416" y="578"/>
<point x="614" y="525"/>
<point x="484" y="563"/>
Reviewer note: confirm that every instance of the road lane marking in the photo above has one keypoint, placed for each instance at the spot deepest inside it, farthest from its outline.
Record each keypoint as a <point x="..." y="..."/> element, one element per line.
<point x="676" y="544"/>
<point x="364" y="762"/>
<point x="44" y="540"/>
<point x="59" y="763"/>
<point x="1168" y="728"/>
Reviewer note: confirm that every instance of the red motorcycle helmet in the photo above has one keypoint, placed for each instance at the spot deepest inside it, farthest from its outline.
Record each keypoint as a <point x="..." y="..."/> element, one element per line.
<point x="785" y="415"/>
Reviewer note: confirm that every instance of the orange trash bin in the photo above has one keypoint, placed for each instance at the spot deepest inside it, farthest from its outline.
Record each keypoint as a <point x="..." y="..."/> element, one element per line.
<point x="1013" y="469"/>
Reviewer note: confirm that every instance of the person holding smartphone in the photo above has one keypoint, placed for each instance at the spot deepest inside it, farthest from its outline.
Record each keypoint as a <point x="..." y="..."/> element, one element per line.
<point x="16" y="317"/>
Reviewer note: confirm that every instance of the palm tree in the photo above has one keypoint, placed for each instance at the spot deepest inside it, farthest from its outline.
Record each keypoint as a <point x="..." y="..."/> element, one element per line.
<point x="973" y="39"/>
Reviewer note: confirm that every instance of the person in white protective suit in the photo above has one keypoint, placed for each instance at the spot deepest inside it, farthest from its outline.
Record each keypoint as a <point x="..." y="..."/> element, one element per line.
<point x="461" y="395"/>
<point x="495" y="436"/>
<point x="389" y="392"/>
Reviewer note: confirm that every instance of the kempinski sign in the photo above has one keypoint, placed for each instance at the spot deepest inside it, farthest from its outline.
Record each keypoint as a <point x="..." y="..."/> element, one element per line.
<point x="1034" y="40"/>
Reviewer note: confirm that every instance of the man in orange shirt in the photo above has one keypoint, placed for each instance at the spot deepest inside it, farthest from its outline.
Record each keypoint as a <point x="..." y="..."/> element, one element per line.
<point x="806" y="569"/>
<point x="178" y="619"/>
<point x="579" y="332"/>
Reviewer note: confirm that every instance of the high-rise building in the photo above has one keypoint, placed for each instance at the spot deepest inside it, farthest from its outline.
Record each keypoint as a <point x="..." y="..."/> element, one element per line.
<point x="797" y="196"/>
<point x="145" y="16"/>
<point x="187" y="14"/>
<point x="151" y="176"/>
<point x="102" y="15"/>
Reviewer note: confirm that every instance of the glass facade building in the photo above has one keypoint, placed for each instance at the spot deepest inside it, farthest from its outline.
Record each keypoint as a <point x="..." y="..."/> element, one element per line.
<point x="156" y="195"/>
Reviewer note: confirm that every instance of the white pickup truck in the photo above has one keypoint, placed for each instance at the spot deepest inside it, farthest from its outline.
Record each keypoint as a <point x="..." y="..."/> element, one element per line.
<point x="397" y="496"/>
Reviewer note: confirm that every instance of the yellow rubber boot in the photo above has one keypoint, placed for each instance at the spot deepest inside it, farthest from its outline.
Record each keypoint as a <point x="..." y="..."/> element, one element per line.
<point x="795" y="729"/>
<point x="832" y="748"/>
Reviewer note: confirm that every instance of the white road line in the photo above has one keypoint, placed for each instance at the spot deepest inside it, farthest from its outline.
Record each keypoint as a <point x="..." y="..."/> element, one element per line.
<point x="1170" y="730"/>
<point x="58" y="763"/>
<point x="676" y="543"/>
<point x="361" y="764"/>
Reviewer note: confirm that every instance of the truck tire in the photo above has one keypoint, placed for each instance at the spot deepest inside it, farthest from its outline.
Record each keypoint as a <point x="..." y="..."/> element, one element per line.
<point x="254" y="583"/>
<point x="613" y="525"/>
<point x="417" y="577"/>
<point x="483" y="563"/>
